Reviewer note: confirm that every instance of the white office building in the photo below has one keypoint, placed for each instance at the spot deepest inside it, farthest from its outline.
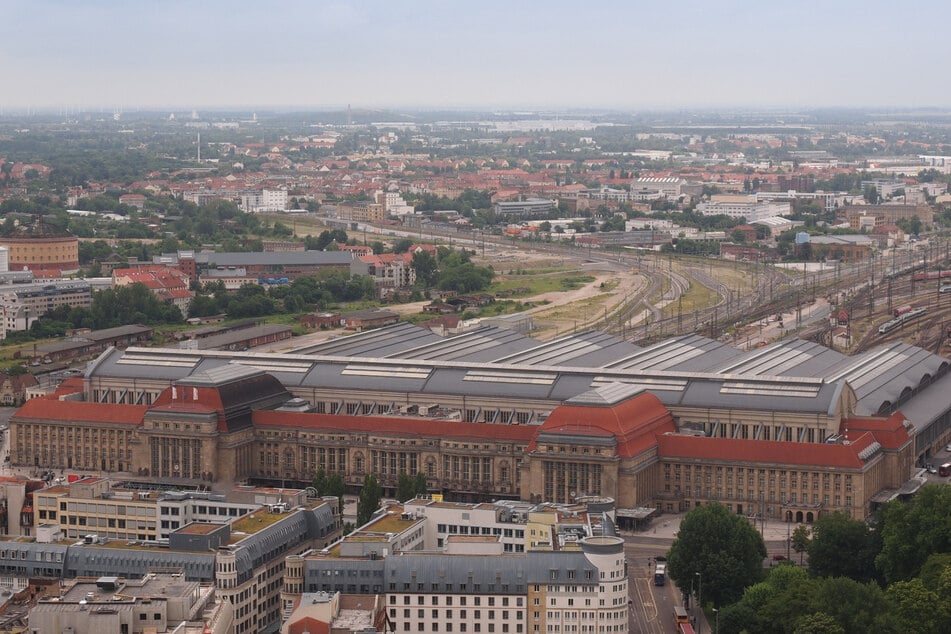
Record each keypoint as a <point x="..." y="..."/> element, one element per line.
<point x="747" y="207"/>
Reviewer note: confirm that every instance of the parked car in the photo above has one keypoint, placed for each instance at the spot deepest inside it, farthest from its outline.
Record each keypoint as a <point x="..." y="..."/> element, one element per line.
<point x="932" y="469"/>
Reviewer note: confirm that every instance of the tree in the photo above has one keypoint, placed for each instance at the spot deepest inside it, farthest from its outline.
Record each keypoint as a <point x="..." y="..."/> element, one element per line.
<point x="320" y="482"/>
<point x="720" y="548"/>
<point x="933" y="568"/>
<point x="425" y="266"/>
<point x="402" y="245"/>
<point x="782" y="598"/>
<point x="919" y="609"/>
<point x="404" y="487"/>
<point x="800" y="540"/>
<point x="370" y="495"/>
<point x="336" y="488"/>
<point x="842" y="547"/>
<point x="857" y="607"/>
<point x="457" y="273"/>
<point x="914" y="530"/>
<point x="738" y="236"/>
<point x="818" y="623"/>
<point x="420" y="487"/>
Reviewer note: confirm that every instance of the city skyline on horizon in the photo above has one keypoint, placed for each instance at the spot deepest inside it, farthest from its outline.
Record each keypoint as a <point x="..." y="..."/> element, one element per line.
<point x="428" y="55"/>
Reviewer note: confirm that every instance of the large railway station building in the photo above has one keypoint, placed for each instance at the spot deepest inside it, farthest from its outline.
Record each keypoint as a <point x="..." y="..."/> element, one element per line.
<point x="788" y="431"/>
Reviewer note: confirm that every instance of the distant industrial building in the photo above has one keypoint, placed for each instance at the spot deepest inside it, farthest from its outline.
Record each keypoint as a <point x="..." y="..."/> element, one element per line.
<point x="22" y="304"/>
<point x="747" y="207"/>
<point x="525" y="208"/>
<point x="288" y="264"/>
<point x="87" y="344"/>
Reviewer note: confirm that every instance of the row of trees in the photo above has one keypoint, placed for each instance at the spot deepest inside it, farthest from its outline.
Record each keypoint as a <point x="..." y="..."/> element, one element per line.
<point x="790" y="600"/>
<point x="890" y="575"/>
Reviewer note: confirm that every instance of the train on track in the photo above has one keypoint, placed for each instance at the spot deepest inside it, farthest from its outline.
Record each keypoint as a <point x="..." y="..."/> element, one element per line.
<point x="901" y="319"/>
<point x="931" y="275"/>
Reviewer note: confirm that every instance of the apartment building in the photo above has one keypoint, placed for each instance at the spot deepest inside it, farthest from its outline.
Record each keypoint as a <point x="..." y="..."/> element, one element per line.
<point x="471" y="584"/>
<point x="93" y="505"/>
<point x="390" y="270"/>
<point x="361" y="212"/>
<point x="885" y="214"/>
<point x="23" y="304"/>
<point x="243" y="556"/>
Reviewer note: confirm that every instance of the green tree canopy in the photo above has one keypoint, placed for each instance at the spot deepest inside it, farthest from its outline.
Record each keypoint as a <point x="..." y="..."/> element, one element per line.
<point x="320" y="482"/>
<point x="818" y="623"/>
<point x="914" y="530"/>
<point x="724" y="548"/>
<point x="420" y="488"/>
<point x="920" y="610"/>
<point x="336" y="488"/>
<point x="842" y="547"/>
<point x="425" y="266"/>
<point x="800" y="540"/>
<point x="458" y="274"/>
<point x="370" y="495"/>
<point x="404" y="488"/>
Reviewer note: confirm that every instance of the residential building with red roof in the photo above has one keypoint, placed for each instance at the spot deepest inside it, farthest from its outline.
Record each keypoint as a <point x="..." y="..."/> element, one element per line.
<point x="167" y="283"/>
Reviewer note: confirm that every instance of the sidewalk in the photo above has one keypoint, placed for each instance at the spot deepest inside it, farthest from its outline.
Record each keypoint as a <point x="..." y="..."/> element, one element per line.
<point x="666" y="527"/>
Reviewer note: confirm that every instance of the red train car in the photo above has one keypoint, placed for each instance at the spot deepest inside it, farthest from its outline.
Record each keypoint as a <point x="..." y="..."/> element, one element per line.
<point x="931" y="275"/>
<point x="901" y="310"/>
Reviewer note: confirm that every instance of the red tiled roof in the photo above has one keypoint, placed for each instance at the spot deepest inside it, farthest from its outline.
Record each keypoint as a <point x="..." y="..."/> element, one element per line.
<point x="71" y="385"/>
<point x="634" y="422"/>
<point x="761" y="451"/>
<point x="890" y="432"/>
<point x="208" y="401"/>
<point x="395" y="425"/>
<point x="82" y="411"/>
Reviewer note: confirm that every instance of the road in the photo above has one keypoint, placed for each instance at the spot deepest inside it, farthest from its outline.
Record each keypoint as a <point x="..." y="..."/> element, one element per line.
<point x="651" y="606"/>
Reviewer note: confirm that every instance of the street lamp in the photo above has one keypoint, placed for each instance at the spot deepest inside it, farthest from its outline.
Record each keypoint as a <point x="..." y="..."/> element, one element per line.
<point x="699" y="600"/>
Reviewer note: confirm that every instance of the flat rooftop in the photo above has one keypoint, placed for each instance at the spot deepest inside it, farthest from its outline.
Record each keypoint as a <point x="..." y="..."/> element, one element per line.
<point x="127" y="590"/>
<point x="199" y="528"/>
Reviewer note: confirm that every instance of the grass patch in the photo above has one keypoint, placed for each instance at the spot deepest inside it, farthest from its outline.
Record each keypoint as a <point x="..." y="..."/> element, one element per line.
<point x="253" y="523"/>
<point x="528" y="285"/>
<point x="697" y="297"/>
<point x="545" y="270"/>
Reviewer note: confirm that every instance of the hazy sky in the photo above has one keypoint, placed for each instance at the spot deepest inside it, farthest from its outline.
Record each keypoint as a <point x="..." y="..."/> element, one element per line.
<point x="470" y="53"/>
